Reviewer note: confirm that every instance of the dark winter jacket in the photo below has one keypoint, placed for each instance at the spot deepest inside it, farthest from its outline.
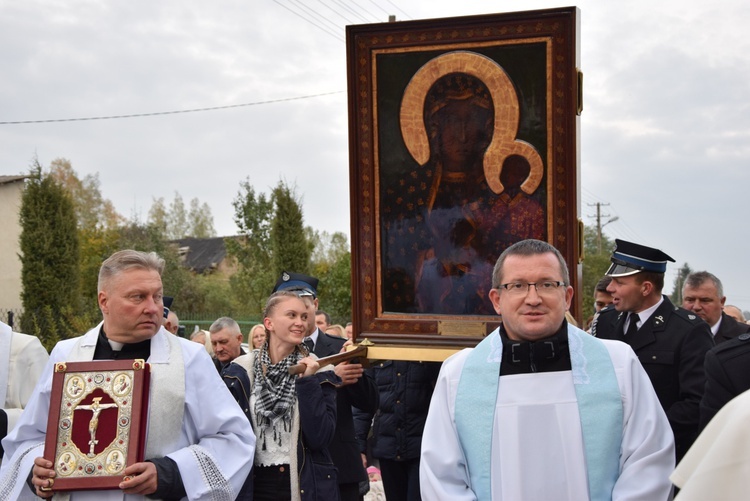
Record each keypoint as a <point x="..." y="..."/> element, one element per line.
<point x="405" y="390"/>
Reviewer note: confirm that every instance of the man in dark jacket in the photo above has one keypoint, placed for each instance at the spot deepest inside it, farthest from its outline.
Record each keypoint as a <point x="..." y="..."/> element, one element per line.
<point x="671" y="342"/>
<point x="358" y="390"/>
<point x="405" y="391"/>
<point x="703" y="294"/>
<point x="727" y="375"/>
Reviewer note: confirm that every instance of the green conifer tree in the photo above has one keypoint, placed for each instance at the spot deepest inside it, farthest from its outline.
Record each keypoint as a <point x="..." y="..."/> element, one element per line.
<point x="291" y="250"/>
<point x="49" y="258"/>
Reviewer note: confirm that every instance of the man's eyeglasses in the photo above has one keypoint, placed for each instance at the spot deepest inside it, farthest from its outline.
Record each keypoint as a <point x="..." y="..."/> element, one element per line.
<point x="522" y="288"/>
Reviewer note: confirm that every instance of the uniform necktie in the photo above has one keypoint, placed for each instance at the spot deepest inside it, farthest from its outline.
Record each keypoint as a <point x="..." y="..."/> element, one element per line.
<point x="309" y="343"/>
<point x="633" y="327"/>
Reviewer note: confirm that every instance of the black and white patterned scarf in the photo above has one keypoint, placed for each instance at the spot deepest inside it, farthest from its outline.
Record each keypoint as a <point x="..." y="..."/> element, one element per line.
<point x="275" y="393"/>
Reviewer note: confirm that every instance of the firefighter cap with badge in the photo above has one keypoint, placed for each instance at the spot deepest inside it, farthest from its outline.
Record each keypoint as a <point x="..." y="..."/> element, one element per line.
<point x="629" y="258"/>
<point x="302" y="285"/>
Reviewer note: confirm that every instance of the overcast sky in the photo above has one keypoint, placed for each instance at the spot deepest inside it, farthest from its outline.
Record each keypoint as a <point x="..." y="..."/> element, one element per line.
<point x="665" y="133"/>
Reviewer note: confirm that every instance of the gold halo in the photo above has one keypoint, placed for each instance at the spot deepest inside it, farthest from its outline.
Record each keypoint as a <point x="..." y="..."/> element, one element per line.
<point x="504" y="98"/>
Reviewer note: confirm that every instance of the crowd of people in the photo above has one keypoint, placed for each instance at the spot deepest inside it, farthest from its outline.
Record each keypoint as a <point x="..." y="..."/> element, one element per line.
<point x="640" y="405"/>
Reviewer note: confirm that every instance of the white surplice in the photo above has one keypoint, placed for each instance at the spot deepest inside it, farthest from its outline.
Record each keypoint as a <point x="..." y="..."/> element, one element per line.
<point x="21" y="367"/>
<point x="214" y="447"/>
<point x="537" y="448"/>
<point x="717" y="466"/>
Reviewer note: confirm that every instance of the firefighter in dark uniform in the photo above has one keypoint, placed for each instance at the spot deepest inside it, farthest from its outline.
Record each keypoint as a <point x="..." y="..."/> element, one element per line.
<point x="727" y="375"/>
<point x="670" y="342"/>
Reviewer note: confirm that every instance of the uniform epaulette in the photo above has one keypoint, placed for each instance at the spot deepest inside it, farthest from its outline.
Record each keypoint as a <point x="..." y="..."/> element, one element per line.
<point x="734" y="347"/>
<point x="332" y="337"/>
<point x="604" y="312"/>
<point x="687" y="315"/>
<point x="607" y="310"/>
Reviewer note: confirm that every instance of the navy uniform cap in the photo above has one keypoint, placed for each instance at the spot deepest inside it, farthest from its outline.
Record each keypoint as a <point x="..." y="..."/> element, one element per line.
<point x="629" y="258"/>
<point x="303" y="285"/>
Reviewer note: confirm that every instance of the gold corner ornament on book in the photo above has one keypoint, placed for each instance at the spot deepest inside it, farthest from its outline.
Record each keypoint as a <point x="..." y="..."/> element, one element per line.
<point x="97" y="422"/>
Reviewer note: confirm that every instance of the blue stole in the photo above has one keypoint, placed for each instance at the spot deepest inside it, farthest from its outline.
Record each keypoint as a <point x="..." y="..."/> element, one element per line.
<point x="599" y="406"/>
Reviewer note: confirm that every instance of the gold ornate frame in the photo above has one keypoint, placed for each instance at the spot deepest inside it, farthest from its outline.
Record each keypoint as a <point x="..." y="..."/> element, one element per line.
<point x="97" y="422"/>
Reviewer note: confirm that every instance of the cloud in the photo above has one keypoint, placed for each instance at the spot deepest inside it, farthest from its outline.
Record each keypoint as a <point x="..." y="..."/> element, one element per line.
<point x="664" y="133"/>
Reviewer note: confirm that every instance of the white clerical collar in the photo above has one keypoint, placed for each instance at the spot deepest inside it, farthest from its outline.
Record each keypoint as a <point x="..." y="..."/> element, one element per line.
<point x="646" y="314"/>
<point x="115" y="345"/>
<point x="715" y="327"/>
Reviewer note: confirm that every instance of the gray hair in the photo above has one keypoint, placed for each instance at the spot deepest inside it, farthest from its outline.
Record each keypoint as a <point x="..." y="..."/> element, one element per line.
<point x="742" y="315"/>
<point x="128" y="259"/>
<point x="207" y="342"/>
<point x="225" y="323"/>
<point x="197" y="333"/>
<point x="698" y="278"/>
<point x="528" y="247"/>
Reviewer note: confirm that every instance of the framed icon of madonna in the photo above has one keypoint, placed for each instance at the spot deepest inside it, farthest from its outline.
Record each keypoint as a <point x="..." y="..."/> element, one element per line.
<point x="463" y="140"/>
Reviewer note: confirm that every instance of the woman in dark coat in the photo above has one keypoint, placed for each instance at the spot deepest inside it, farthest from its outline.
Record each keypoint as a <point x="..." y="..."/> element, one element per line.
<point x="294" y="417"/>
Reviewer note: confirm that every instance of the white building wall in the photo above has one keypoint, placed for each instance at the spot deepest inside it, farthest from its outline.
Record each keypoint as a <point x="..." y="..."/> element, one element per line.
<point x="10" y="232"/>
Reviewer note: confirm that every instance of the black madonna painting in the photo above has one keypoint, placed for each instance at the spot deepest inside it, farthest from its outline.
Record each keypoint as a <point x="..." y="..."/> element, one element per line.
<point x="460" y="149"/>
<point x="467" y="185"/>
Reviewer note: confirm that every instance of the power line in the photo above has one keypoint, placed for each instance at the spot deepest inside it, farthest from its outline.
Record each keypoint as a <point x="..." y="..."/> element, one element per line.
<point x="589" y="193"/>
<point x="194" y="110"/>
<point x="342" y="8"/>
<point x="304" y="15"/>
<point x="364" y="9"/>
<point x="347" y="7"/>
<point x="316" y="15"/>
<point x="397" y="7"/>
<point x="381" y="8"/>
<point x="334" y="35"/>
<point x="346" y="19"/>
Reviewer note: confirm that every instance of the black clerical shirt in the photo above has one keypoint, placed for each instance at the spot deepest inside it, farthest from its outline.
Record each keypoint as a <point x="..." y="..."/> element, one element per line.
<point x="104" y="351"/>
<point x="168" y="476"/>
<point x="547" y="355"/>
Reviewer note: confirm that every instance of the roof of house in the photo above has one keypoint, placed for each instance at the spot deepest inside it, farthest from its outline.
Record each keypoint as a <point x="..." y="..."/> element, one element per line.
<point x="12" y="179"/>
<point x="201" y="254"/>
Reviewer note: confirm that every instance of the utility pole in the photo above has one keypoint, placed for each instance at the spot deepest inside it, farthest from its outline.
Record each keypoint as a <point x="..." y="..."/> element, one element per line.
<point x="599" y="224"/>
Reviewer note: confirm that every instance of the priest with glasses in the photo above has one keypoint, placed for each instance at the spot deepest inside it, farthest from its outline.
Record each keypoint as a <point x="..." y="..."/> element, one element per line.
<point x="540" y="409"/>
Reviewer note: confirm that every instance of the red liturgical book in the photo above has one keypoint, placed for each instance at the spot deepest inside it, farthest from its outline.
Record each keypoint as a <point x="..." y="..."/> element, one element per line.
<point x="97" y="422"/>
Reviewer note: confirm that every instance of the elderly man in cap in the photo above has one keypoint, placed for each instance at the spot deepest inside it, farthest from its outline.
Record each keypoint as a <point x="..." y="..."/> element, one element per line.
<point x="359" y="389"/>
<point x="670" y="341"/>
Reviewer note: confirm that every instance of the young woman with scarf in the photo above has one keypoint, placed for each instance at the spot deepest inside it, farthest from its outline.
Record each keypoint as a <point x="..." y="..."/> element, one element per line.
<point x="294" y="417"/>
